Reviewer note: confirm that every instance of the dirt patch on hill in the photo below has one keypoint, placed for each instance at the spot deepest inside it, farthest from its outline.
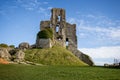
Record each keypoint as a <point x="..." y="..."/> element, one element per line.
<point x="3" y="61"/>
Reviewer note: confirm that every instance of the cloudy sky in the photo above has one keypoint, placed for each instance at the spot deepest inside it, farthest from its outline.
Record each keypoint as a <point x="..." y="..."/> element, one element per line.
<point x="98" y="24"/>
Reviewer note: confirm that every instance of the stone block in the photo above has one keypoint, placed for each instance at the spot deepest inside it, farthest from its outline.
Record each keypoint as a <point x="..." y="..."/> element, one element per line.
<point x="44" y="43"/>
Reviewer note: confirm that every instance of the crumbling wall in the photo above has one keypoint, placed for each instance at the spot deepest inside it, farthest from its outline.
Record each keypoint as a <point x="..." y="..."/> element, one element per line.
<point x="58" y="24"/>
<point x="41" y="42"/>
<point x="71" y="35"/>
<point x="44" y="43"/>
<point x="44" y="24"/>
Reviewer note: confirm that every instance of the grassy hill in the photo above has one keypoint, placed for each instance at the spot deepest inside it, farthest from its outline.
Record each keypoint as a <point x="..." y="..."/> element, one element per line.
<point x="53" y="56"/>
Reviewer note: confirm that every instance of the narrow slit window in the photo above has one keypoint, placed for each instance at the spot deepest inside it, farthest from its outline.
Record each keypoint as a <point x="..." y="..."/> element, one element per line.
<point x="57" y="29"/>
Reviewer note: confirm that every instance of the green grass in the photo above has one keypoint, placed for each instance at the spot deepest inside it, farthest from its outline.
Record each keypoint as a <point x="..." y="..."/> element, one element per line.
<point x="53" y="56"/>
<point x="30" y="72"/>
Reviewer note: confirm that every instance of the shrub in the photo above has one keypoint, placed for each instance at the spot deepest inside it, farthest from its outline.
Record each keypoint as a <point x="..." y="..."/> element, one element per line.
<point x="12" y="46"/>
<point x="3" y="45"/>
<point x="47" y="33"/>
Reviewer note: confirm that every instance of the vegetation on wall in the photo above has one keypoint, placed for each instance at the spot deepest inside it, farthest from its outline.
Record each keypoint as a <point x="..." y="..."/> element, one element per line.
<point x="46" y="33"/>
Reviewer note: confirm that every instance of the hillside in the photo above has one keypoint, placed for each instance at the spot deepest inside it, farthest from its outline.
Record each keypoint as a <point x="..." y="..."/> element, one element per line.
<point x="53" y="56"/>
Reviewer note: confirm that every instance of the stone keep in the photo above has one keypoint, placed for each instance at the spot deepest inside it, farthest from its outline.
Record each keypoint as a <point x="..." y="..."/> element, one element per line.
<point x="63" y="32"/>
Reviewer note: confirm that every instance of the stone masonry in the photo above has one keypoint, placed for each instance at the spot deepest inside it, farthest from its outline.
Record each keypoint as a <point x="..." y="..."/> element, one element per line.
<point x="63" y="32"/>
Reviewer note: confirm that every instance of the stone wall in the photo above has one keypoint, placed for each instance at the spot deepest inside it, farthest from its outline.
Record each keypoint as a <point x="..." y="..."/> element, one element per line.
<point x="71" y="35"/>
<point x="44" y="43"/>
<point x="58" y="24"/>
<point x="24" y="45"/>
<point x="44" y="24"/>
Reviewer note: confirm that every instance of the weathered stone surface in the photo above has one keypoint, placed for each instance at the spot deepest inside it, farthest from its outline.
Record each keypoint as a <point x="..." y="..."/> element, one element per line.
<point x="19" y="56"/>
<point x="85" y="58"/>
<point x="44" y="43"/>
<point x="24" y="45"/>
<point x="12" y="52"/>
<point x="58" y="23"/>
<point x="44" y="24"/>
<point x="71" y="35"/>
<point x="33" y="46"/>
<point x="4" y="54"/>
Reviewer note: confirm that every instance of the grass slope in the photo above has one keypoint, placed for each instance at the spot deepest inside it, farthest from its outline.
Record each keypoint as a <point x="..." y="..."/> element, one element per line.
<point x="29" y="72"/>
<point x="53" y="56"/>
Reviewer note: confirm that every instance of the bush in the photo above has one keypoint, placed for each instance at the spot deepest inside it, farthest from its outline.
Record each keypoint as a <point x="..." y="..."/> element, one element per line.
<point x="12" y="46"/>
<point x="47" y="33"/>
<point x="3" y="45"/>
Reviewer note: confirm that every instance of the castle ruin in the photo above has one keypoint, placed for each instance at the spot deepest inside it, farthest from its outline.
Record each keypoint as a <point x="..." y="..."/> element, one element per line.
<point x="64" y="33"/>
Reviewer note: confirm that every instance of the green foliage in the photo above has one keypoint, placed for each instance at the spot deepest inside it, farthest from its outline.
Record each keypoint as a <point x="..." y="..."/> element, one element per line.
<point x="31" y="72"/>
<point x="47" y="33"/>
<point x="12" y="46"/>
<point x="3" y="45"/>
<point x="53" y="56"/>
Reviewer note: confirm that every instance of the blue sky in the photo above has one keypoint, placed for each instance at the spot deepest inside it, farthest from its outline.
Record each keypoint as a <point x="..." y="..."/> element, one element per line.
<point x="98" y="24"/>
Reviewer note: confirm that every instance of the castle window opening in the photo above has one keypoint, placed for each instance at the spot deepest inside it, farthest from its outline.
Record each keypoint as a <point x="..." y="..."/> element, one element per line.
<point x="67" y="41"/>
<point x="59" y="38"/>
<point x="57" y="29"/>
<point x="58" y="18"/>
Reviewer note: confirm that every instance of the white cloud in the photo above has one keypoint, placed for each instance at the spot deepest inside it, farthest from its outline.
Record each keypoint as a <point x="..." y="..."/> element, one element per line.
<point x="115" y="34"/>
<point x="36" y="6"/>
<point x="101" y="27"/>
<point x="32" y="4"/>
<point x="111" y="33"/>
<point x="42" y="9"/>
<point x="102" y="55"/>
<point x="103" y="52"/>
<point x="49" y="8"/>
<point x="71" y="20"/>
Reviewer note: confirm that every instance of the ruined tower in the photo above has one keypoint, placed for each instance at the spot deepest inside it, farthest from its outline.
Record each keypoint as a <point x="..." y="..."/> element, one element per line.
<point x="58" y="23"/>
<point x="64" y="33"/>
